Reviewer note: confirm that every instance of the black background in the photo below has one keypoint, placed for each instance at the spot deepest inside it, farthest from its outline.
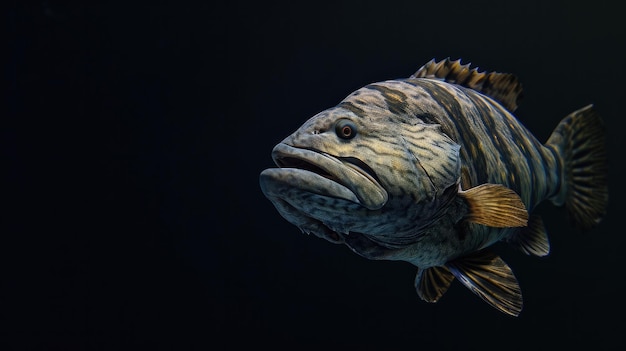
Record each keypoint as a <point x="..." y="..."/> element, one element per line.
<point x="133" y="135"/>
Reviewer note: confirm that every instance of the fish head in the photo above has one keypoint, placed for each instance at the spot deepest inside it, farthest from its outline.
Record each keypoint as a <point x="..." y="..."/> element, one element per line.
<point x="377" y="173"/>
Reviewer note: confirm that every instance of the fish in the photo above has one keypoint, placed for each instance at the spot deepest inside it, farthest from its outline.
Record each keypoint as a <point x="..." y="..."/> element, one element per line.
<point x="435" y="169"/>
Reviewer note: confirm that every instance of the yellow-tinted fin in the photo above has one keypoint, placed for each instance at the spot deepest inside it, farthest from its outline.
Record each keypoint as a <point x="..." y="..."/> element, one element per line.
<point x="532" y="240"/>
<point x="486" y="275"/>
<point x="502" y="87"/>
<point x="431" y="283"/>
<point x="495" y="205"/>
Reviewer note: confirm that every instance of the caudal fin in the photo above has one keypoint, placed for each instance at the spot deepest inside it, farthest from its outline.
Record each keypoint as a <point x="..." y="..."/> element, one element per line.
<point x="580" y="140"/>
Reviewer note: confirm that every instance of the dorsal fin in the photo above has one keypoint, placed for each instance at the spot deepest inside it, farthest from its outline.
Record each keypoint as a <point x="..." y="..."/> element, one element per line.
<point x="502" y="87"/>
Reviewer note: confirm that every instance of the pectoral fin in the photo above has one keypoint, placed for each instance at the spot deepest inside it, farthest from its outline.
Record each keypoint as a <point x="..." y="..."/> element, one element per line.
<point x="486" y="275"/>
<point x="495" y="205"/>
<point x="431" y="283"/>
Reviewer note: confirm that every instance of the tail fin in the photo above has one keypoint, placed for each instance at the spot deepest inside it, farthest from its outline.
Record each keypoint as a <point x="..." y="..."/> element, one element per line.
<point x="580" y="141"/>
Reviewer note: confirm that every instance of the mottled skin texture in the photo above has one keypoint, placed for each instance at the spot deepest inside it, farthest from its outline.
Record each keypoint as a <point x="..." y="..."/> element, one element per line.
<point x="422" y="138"/>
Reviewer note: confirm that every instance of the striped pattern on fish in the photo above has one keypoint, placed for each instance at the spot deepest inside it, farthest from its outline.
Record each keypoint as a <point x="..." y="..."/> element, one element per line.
<point x="432" y="170"/>
<point x="491" y="138"/>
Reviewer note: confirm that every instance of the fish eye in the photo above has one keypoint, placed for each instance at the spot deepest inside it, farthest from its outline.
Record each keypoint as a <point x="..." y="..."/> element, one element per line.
<point x="345" y="129"/>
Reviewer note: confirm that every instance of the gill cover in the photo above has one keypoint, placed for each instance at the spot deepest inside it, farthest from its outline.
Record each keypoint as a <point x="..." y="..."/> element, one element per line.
<point x="434" y="157"/>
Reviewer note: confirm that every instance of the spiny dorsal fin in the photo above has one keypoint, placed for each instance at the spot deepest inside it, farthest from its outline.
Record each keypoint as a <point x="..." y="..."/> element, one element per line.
<point x="431" y="283"/>
<point x="487" y="276"/>
<point x="532" y="240"/>
<point x="502" y="87"/>
<point x="494" y="205"/>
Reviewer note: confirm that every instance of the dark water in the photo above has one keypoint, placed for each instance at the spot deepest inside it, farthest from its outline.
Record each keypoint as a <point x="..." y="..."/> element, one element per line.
<point x="133" y="139"/>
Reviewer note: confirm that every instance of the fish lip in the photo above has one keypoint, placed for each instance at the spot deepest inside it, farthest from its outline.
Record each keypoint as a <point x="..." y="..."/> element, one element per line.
<point x="349" y="172"/>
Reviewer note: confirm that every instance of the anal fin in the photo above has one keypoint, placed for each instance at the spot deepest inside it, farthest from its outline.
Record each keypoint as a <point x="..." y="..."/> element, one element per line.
<point x="431" y="283"/>
<point x="486" y="275"/>
<point x="533" y="239"/>
<point x="495" y="205"/>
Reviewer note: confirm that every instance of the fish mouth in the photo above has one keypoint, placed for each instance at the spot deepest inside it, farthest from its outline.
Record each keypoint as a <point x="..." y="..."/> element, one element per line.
<point x="346" y="178"/>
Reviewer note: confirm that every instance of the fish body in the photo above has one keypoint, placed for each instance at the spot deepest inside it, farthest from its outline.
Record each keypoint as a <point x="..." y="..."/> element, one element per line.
<point x="432" y="170"/>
